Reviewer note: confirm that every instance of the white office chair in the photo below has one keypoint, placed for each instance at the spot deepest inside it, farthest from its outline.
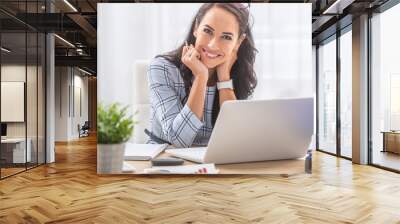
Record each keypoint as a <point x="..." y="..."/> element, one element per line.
<point x="141" y="100"/>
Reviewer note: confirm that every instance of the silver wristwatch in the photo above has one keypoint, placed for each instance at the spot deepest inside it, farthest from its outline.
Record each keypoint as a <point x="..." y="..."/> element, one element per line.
<point x="225" y="85"/>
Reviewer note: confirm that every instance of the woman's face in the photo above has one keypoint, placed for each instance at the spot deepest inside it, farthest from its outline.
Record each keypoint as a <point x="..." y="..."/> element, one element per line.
<point x="217" y="36"/>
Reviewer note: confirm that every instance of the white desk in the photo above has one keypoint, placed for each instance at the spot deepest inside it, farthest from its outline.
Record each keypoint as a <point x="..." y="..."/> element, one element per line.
<point x="282" y="167"/>
<point x="18" y="145"/>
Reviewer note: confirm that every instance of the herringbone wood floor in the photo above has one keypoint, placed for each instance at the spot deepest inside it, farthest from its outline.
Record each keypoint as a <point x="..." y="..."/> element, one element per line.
<point x="69" y="191"/>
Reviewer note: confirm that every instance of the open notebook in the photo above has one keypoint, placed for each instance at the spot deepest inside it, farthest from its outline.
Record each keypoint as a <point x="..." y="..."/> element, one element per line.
<point x="143" y="151"/>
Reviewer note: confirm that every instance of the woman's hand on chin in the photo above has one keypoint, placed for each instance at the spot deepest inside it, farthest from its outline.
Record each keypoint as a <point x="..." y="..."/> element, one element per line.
<point x="224" y="69"/>
<point x="191" y="58"/>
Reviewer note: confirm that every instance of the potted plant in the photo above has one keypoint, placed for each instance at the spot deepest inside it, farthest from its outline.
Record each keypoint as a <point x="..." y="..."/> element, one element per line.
<point x="114" y="128"/>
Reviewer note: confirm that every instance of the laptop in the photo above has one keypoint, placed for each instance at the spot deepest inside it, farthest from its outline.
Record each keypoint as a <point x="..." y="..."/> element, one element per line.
<point x="256" y="130"/>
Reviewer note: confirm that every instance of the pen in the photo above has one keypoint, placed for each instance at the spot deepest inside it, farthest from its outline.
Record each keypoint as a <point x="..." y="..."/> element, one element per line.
<point x="163" y="171"/>
<point x="156" y="171"/>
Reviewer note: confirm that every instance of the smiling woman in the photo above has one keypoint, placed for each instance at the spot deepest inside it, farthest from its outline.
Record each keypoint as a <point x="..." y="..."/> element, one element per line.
<point x="213" y="65"/>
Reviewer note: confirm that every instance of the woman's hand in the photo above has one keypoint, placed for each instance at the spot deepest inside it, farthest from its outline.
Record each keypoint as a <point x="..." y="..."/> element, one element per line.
<point x="224" y="69"/>
<point x="196" y="99"/>
<point x="191" y="58"/>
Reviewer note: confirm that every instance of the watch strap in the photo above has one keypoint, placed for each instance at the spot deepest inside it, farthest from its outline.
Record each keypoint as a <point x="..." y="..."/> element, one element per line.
<point x="225" y="85"/>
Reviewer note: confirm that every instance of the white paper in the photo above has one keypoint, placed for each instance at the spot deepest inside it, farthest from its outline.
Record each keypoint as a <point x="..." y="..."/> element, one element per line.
<point x="187" y="169"/>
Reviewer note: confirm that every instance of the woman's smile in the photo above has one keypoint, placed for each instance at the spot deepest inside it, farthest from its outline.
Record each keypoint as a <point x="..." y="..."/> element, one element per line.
<point x="211" y="54"/>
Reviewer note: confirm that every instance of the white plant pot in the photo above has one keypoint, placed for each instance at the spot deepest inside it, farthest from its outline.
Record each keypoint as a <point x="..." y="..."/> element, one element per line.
<point x="110" y="158"/>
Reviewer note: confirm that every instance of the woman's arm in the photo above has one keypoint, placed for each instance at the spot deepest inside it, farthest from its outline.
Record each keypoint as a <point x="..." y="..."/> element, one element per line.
<point x="225" y="95"/>
<point x="179" y="125"/>
<point x="196" y="98"/>
<point x="223" y="74"/>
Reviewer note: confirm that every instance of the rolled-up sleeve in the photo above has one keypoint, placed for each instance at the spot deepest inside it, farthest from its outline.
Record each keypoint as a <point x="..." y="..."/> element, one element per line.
<point x="179" y="124"/>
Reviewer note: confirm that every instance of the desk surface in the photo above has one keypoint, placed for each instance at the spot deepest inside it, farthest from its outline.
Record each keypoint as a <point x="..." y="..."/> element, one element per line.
<point x="390" y="132"/>
<point x="288" y="167"/>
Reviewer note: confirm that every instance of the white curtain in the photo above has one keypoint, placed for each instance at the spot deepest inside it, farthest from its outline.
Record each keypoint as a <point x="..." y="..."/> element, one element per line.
<point x="131" y="32"/>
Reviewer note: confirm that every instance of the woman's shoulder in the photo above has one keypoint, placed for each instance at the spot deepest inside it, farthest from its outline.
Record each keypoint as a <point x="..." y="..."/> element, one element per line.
<point x="163" y="62"/>
<point x="165" y="69"/>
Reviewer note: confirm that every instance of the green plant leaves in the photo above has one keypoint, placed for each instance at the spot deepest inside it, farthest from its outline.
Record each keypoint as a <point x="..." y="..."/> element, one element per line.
<point x="114" y="126"/>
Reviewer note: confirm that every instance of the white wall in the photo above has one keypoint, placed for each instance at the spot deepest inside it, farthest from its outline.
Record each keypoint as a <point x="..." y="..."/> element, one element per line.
<point x="80" y="83"/>
<point x="282" y="33"/>
<point x="33" y="127"/>
<point x="15" y="72"/>
<point x="13" y="101"/>
<point x="61" y="103"/>
<point x="68" y="82"/>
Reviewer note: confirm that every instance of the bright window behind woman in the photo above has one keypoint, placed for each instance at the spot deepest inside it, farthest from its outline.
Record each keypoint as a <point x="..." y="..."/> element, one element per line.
<point x="130" y="32"/>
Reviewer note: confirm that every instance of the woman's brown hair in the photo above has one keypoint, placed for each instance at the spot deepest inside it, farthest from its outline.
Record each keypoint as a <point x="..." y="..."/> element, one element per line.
<point x="242" y="72"/>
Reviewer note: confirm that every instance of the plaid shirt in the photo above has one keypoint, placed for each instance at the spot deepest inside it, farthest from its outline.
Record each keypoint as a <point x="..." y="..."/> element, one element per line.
<point x="170" y="120"/>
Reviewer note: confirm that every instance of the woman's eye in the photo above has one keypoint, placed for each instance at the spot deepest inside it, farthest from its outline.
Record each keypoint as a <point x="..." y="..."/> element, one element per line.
<point x="207" y="31"/>
<point x="226" y="37"/>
